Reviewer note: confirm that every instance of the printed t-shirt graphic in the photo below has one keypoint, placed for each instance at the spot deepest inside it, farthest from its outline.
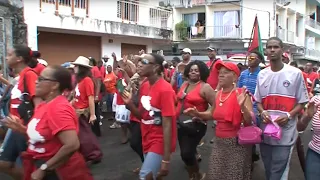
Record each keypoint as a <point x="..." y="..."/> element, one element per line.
<point x="159" y="97"/>
<point x="83" y="90"/>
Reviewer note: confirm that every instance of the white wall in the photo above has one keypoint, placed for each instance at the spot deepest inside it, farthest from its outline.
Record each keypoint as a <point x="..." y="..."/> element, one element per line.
<point x="248" y="15"/>
<point x="108" y="48"/>
<point x="102" y="15"/>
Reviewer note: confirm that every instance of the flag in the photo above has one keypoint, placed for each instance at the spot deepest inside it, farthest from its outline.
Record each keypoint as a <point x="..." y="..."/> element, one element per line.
<point x="256" y="43"/>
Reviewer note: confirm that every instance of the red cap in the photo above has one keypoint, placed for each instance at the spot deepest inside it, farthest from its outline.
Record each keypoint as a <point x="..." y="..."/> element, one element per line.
<point x="230" y="66"/>
<point x="286" y="55"/>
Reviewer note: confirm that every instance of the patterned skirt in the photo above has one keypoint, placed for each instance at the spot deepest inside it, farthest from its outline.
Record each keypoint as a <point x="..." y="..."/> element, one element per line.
<point x="229" y="160"/>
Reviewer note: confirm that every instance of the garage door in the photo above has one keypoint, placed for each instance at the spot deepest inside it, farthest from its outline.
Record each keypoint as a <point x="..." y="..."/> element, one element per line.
<point x="57" y="48"/>
<point x="127" y="49"/>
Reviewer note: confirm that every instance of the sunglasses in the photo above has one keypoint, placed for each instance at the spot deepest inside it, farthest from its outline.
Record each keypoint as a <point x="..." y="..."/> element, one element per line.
<point x="40" y="79"/>
<point x="251" y="58"/>
<point x="146" y="61"/>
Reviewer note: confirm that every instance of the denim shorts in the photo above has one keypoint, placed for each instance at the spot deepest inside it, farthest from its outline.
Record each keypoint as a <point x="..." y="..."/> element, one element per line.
<point x="13" y="144"/>
<point x="152" y="163"/>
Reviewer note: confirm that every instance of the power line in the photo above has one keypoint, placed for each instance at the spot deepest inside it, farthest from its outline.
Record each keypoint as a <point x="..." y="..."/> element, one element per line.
<point x="245" y="6"/>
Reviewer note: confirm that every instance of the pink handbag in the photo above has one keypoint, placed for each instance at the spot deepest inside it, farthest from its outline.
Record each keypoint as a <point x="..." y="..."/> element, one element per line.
<point x="249" y="135"/>
<point x="273" y="130"/>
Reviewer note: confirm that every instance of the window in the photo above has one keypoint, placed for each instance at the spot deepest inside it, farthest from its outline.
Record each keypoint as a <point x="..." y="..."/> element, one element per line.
<point x="128" y="10"/>
<point x="226" y="23"/>
<point x="191" y="19"/>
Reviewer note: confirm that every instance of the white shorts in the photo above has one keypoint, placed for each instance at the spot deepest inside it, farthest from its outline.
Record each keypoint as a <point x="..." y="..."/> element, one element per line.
<point x="114" y="103"/>
<point x="122" y="114"/>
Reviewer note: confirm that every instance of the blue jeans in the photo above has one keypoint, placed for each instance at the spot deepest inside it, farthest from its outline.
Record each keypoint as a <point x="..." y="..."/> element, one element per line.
<point x="14" y="143"/>
<point x="151" y="163"/>
<point x="276" y="160"/>
<point x="312" y="165"/>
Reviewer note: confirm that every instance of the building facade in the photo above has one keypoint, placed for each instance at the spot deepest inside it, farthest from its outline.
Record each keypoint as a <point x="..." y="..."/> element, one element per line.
<point x="227" y="26"/>
<point x="64" y="29"/>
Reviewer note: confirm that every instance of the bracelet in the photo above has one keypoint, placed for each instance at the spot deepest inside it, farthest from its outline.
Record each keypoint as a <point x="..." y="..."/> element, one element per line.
<point x="167" y="162"/>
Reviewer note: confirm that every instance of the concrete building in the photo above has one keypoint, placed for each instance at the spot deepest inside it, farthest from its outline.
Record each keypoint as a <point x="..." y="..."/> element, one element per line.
<point x="227" y="26"/>
<point x="64" y="29"/>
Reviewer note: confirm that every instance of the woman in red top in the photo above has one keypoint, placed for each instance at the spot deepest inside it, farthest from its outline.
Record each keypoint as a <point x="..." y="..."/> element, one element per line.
<point x="157" y="113"/>
<point x="53" y="132"/>
<point x="20" y="60"/>
<point x="39" y="67"/>
<point x="195" y="93"/>
<point x="84" y="104"/>
<point x="233" y="106"/>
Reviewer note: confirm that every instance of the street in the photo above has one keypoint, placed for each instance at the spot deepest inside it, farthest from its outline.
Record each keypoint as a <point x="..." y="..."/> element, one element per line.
<point x="119" y="160"/>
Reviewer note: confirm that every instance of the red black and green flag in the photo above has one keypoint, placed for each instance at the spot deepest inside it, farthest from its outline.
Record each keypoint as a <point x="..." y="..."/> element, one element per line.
<point x="255" y="39"/>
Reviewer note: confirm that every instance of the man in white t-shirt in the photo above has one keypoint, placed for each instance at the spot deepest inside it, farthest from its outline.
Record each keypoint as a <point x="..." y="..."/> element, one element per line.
<point x="280" y="94"/>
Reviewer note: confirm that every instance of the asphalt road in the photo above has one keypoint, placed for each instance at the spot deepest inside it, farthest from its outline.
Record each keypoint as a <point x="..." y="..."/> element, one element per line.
<point x="119" y="160"/>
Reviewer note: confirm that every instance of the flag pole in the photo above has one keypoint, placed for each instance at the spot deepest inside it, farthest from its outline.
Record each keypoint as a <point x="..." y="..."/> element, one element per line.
<point x="250" y="40"/>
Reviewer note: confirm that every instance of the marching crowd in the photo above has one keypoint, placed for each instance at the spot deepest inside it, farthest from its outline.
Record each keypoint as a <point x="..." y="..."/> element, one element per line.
<point x="51" y="115"/>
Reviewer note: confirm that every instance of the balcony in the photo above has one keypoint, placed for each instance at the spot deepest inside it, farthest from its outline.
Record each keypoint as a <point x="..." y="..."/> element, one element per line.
<point x="114" y="17"/>
<point x="190" y="3"/>
<point x="208" y="32"/>
<point x="286" y="35"/>
<point x="66" y="7"/>
<point x="143" y="14"/>
<point x="313" y="26"/>
<point x="312" y="54"/>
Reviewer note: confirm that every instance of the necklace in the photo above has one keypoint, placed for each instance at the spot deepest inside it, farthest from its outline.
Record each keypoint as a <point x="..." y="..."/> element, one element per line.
<point x="220" y="98"/>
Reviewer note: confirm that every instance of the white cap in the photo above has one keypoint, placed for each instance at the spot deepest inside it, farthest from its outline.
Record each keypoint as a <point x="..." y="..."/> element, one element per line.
<point x="187" y="50"/>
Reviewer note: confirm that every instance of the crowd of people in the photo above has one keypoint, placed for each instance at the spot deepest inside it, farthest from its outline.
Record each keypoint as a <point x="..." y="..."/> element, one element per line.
<point x="52" y="115"/>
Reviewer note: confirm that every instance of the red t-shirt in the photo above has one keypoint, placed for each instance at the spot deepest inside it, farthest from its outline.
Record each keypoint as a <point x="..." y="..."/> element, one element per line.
<point x="39" y="68"/>
<point x="119" y="98"/>
<point x="102" y="70"/>
<point x="96" y="72"/>
<point x="214" y="73"/>
<point x="162" y="98"/>
<point x="83" y="90"/>
<point x="49" y="120"/>
<point x="18" y="89"/>
<point x="310" y="77"/>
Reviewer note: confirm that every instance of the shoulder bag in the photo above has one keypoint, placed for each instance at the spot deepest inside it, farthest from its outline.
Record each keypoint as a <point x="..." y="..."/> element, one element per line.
<point x="249" y="135"/>
<point x="26" y="107"/>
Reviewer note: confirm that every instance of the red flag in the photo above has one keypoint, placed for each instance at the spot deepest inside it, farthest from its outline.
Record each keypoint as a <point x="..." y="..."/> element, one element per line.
<point x="256" y="43"/>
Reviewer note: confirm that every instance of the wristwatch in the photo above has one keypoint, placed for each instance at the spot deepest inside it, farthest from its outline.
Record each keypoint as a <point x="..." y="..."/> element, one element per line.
<point x="43" y="167"/>
<point x="288" y="114"/>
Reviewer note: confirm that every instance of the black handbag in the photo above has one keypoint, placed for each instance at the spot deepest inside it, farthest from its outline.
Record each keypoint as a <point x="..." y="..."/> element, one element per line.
<point x="185" y="122"/>
<point x="26" y="107"/>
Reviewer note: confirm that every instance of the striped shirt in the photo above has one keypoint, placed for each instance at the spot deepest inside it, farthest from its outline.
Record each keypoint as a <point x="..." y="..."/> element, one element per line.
<point x="315" y="141"/>
<point x="249" y="79"/>
<point x="279" y="92"/>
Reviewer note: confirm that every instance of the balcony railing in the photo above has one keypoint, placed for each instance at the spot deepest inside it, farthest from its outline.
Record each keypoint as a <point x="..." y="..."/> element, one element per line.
<point x="286" y="35"/>
<point x="282" y="1"/>
<point x="312" y="53"/>
<point x="208" y="32"/>
<point x="190" y="3"/>
<point x="312" y="23"/>
<point x="66" y="7"/>
<point x="142" y="14"/>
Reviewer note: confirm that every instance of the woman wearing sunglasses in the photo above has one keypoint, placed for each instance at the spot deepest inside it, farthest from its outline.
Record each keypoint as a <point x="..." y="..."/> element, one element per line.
<point x="157" y="113"/>
<point x="53" y="132"/>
